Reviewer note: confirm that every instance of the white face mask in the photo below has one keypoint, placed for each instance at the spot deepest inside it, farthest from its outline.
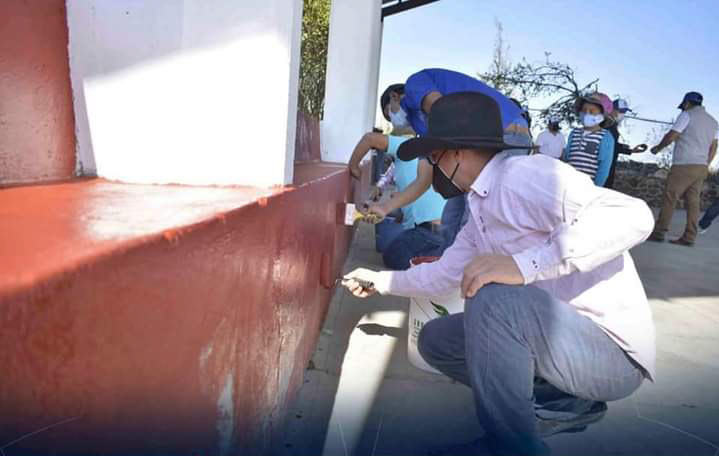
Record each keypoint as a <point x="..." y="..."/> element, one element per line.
<point x="619" y="117"/>
<point x="399" y="119"/>
<point x="591" y="120"/>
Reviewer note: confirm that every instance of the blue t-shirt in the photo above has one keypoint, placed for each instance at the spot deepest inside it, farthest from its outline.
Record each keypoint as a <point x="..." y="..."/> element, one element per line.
<point x="427" y="207"/>
<point x="445" y="82"/>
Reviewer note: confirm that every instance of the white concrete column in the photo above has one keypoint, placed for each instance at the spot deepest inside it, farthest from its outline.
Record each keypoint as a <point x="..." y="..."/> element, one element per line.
<point x="198" y="92"/>
<point x="352" y="73"/>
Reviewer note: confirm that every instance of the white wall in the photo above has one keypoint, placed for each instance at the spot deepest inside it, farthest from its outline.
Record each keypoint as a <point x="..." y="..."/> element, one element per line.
<point x="199" y="92"/>
<point x="352" y="72"/>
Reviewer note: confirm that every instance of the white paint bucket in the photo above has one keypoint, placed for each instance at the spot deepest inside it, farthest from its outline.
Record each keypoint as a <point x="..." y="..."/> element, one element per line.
<point x="422" y="310"/>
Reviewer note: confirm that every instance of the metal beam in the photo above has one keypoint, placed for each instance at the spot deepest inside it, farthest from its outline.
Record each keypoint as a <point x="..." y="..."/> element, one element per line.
<point x="390" y="7"/>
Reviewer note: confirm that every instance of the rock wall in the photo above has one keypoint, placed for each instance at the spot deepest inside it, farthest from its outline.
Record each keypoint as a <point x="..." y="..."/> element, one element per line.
<point x="647" y="181"/>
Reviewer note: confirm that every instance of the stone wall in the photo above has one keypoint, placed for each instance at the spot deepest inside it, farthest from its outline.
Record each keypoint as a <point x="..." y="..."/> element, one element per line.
<point x="647" y="180"/>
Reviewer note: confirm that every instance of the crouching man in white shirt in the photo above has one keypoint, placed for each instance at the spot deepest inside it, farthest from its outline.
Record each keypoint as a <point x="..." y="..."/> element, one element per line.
<point x="555" y="312"/>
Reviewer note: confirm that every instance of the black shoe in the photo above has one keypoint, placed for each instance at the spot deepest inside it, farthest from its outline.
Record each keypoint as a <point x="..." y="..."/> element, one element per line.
<point x="577" y="424"/>
<point x="682" y="241"/>
<point x="656" y="237"/>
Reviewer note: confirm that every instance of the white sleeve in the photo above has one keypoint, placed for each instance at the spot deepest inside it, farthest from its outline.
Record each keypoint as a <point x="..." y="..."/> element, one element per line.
<point x="681" y="123"/>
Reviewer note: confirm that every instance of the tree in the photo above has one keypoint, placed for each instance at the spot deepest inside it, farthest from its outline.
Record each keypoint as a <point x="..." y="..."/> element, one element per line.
<point x="313" y="63"/>
<point x="501" y="65"/>
<point x="526" y="80"/>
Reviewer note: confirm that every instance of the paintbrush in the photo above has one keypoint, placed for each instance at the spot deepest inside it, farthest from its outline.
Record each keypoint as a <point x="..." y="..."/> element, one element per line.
<point x="351" y="215"/>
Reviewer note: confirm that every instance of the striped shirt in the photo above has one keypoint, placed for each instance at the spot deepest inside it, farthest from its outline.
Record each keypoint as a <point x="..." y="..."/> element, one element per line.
<point x="583" y="147"/>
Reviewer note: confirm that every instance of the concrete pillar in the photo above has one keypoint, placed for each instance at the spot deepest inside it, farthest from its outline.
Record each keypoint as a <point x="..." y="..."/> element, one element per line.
<point x="198" y="92"/>
<point x="352" y="73"/>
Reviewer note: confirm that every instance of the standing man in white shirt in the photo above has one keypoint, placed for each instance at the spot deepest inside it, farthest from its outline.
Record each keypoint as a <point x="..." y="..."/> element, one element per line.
<point x="694" y="135"/>
<point x="551" y="141"/>
<point x="551" y="290"/>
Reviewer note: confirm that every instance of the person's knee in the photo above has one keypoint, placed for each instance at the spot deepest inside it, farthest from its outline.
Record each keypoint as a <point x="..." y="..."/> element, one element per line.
<point x="429" y="341"/>
<point x="395" y="258"/>
<point x="491" y="296"/>
<point x="506" y="302"/>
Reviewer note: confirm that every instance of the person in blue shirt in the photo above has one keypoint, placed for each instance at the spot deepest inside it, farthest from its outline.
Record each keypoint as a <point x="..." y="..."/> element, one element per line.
<point x="590" y="148"/>
<point x="419" y="232"/>
<point x="407" y="105"/>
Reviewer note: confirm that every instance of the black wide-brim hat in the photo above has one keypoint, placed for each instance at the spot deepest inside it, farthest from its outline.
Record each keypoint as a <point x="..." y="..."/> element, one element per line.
<point x="460" y="120"/>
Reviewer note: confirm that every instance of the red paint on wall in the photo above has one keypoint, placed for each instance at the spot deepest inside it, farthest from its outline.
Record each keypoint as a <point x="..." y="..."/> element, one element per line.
<point x="37" y="126"/>
<point x="129" y="336"/>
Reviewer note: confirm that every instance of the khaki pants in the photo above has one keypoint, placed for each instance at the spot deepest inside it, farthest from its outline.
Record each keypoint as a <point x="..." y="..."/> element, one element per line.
<point x="683" y="181"/>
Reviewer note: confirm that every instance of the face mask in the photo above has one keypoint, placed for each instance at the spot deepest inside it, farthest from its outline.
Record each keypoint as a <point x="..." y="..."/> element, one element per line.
<point x="399" y="119"/>
<point x="620" y="117"/>
<point x="591" y="120"/>
<point x="444" y="185"/>
<point x="554" y="127"/>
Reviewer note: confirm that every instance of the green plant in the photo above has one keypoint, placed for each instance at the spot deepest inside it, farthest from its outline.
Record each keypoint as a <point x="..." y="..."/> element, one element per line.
<point x="313" y="63"/>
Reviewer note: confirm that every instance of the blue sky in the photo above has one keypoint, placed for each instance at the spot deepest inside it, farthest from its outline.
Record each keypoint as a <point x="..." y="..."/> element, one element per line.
<point x="649" y="51"/>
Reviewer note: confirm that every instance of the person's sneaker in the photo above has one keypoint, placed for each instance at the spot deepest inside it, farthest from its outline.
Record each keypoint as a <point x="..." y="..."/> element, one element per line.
<point x="577" y="424"/>
<point x="703" y="230"/>
<point x="656" y="237"/>
<point x="682" y="241"/>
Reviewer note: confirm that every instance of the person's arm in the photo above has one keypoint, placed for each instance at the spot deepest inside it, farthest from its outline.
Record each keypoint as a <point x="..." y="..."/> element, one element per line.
<point x="421" y="91"/>
<point x="368" y="142"/>
<point x="606" y="155"/>
<point x="410" y="194"/>
<point x="590" y="226"/>
<point x="624" y="149"/>
<point x="712" y="152"/>
<point x="429" y="100"/>
<point x="439" y="278"/>
<point x="679" y="126"/>
<point x="565" y="155"/>
<point x="669" y="138"/>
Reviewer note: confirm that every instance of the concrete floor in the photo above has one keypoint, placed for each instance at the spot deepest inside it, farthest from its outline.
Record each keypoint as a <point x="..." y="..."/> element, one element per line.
<point x="362" y="397"/>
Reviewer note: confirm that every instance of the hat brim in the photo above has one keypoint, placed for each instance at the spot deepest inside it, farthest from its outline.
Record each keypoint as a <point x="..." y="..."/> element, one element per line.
<point x="423" y="146"/>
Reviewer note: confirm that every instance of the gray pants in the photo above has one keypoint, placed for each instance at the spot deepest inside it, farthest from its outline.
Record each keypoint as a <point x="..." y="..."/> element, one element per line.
<point x="506" y="336"/>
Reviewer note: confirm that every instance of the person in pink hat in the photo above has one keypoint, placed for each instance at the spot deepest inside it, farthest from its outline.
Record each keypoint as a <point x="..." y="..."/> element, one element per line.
<point x="590" y="148"/>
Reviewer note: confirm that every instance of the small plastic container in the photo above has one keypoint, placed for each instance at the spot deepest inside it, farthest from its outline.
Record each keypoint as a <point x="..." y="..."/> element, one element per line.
<point x="422" y="310"/>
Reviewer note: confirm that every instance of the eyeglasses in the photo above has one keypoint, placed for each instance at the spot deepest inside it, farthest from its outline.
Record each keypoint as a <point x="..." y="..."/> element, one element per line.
<point x="432" y="161"/>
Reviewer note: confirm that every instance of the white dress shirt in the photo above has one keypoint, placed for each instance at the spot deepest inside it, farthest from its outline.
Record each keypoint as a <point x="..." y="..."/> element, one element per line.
<point x="566" y="235"/>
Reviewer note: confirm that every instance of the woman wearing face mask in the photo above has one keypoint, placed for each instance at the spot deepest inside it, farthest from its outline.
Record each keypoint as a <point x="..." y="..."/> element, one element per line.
<point x="590" y="148"/>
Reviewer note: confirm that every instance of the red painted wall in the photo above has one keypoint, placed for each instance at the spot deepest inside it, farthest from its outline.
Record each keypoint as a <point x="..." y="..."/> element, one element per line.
<point x="129" y="308"/>
<point x="37" y="137"/>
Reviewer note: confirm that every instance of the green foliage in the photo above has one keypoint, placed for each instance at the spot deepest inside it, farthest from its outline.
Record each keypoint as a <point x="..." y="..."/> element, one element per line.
<point x="313" y="64"/>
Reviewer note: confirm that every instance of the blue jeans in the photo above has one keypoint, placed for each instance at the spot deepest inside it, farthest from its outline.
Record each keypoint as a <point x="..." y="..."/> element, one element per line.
<point x="709" y="215"/>
<point x="385" y="232"/>
<point x="418" y="241"/>
<point x="454" y="216"/>
<point x="506" y="336"/>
